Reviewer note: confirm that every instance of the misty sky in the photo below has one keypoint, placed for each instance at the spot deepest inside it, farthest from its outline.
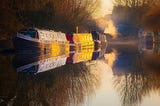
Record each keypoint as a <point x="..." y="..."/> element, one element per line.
<point x="107" y="6"/>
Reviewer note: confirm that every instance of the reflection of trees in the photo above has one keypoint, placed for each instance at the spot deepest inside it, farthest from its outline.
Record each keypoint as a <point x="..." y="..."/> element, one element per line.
<point x="7" y="79"/>
<point x="156" y="48"/>
<point x="68" y="85"/>
<point x="111" y="57"/>
<point x="138" y="83"/>
<point x="74" y="82"/>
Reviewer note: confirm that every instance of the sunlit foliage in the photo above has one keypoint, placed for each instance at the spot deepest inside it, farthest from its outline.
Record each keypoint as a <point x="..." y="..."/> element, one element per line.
<point x="61" y="15"/>
<point x="131" y="11"/>
<point x="151" y="19"/>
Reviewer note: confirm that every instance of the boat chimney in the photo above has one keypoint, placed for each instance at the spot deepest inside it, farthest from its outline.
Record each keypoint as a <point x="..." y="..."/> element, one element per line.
<point x="76" y="29"/>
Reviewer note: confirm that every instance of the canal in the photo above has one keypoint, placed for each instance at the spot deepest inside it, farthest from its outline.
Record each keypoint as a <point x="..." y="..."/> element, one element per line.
<point x="121" y="76"/>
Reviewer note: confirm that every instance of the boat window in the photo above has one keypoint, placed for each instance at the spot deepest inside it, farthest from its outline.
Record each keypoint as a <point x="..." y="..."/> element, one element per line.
<point x="32" y="69"/>
<point x="31" y="34"/>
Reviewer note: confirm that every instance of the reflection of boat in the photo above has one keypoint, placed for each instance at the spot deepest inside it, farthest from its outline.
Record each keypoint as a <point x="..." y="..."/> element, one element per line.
<point x="146" y="41"/>
<point x="56" y="47"/>
<point x="36" y="39"/>
<point x="43" y="65"/>
<point x="85" y="55"/>
<point x="44" y="62"/>
<point x="37" y="64"/>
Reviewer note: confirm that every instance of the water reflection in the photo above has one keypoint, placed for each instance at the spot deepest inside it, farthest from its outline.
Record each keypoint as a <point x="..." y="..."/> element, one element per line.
<point x="61" y="88"/>
<point x="136" y="75"/>
<point x="68" y="85"/>
<point x="111" y="57"/>
<point x="72" y="78"/>
<point x="36" y="63"/>
<point x="84" y="75"/>
<point x="7" y="80"/>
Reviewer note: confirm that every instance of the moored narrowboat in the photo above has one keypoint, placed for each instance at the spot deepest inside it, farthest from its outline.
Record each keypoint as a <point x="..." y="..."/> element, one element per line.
<point x="34" y="39"/>
<point x="71" y="42"/>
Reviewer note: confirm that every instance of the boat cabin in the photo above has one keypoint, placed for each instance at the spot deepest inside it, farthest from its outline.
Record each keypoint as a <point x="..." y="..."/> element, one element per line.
<point x="95" y="35"/>
<point x="42" y="35"/>
<point x="32" y="33"/>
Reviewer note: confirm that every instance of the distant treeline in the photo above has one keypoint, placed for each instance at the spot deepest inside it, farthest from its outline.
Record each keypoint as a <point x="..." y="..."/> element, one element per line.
<point x="133" y="12"/>
<point x="60" y="15"/>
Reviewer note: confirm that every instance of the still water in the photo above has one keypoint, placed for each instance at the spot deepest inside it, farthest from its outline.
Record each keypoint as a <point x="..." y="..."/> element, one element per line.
<point x="122" y="76"/>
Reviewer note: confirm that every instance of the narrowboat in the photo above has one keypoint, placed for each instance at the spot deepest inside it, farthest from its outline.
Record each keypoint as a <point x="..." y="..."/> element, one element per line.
<point x="84" y="40"/>
<point x="34" y="39"/>
<point x="80" y="40"/>
<point x="100" y="39"/>
<point x="71" y="42"/>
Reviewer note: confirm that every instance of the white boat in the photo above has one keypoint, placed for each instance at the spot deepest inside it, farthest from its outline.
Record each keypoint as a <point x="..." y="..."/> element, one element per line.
<point x="33" y="39"/>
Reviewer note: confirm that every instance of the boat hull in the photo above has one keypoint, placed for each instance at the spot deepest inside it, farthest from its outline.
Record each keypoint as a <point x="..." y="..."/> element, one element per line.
<point x="21" y="44"/>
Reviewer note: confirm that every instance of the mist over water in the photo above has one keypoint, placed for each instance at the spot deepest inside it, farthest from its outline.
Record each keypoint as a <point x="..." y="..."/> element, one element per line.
<point x="107" y="25"/>
<point x="111" y="29"/>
